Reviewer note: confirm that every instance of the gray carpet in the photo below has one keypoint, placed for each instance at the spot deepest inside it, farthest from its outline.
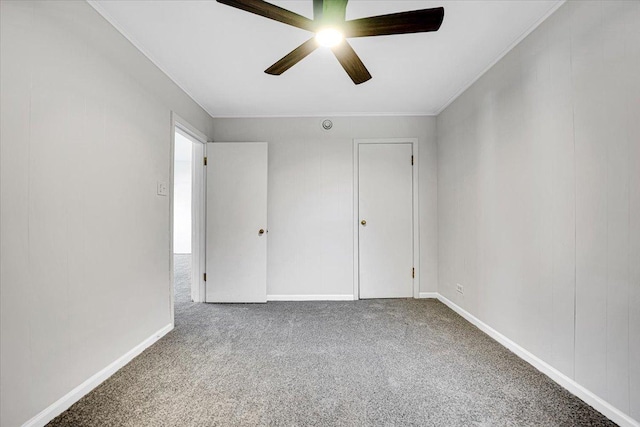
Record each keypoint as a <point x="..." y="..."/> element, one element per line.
<point x="376" y="362"/>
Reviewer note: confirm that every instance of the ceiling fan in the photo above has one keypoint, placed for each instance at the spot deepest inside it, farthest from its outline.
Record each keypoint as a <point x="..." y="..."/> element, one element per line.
<point x="331" y="29"/>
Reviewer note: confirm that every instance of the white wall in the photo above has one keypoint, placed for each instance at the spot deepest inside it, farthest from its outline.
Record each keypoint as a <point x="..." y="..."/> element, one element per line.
<point x="85" y="136"/>
<point x="539" y="197"/>
<point x="310" y="207"/>
<point x="182" y="195"/>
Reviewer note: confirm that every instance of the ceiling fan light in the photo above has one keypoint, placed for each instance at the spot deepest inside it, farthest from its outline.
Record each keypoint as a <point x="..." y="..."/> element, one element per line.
<point x="329" y="37"/>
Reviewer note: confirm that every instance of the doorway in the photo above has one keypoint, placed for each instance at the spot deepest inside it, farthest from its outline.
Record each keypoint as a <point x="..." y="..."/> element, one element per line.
<point x="385" y="230"/>
<point x="182" y="218"/>
<point x="187" y="218"/>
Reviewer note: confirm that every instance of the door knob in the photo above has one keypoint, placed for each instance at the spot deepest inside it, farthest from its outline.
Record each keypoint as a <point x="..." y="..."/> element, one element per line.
<point x="363" y="222"/>
<point x="261" y="231"/>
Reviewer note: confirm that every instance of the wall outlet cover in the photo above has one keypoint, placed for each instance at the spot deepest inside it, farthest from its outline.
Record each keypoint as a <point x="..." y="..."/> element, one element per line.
<point x="459" y="288"/>
<point x="162" y="189"/>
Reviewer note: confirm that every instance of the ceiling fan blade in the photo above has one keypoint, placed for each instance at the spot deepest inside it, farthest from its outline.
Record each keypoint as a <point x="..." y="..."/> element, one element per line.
<point x="333" y="12"/>
<point x="351" y="63"/>
<point x="271" y="11"/>
<point x="415" y="21"/>
<point x="318" y="6"/>
<point x="292" y="58"/>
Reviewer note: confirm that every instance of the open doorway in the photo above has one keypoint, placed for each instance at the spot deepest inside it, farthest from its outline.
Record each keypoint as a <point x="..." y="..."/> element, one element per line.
<point x="188" y="210"/>
<point x="182" y="217"/>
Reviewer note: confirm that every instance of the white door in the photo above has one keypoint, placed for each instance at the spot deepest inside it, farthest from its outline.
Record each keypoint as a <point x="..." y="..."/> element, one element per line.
<point x="385" y="206"/>
<point x="236" y="222"/>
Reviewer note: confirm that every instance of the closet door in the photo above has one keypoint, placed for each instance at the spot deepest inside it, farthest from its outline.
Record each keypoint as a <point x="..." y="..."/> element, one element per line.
<point x="385" y="207"/>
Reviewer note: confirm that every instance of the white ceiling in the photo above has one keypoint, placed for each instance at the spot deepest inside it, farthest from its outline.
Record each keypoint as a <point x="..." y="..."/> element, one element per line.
<point x="218" y="55"/>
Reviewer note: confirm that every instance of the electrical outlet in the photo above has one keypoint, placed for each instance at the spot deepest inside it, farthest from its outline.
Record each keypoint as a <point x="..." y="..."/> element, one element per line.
<point x="162" y="189"/>
<point x="459" y="288"/>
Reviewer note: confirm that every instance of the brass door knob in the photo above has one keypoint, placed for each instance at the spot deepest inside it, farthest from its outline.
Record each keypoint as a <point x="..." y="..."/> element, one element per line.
<point x="363" y="222"/>
<point x="261" y="231"/>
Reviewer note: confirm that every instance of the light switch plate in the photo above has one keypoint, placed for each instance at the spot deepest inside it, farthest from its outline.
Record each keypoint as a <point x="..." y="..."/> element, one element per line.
<point x="162" y="189"/>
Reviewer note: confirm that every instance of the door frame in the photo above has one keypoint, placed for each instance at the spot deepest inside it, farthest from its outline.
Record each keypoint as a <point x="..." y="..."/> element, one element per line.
<point x="178" y="124"/>
<point x="356" y="214"/>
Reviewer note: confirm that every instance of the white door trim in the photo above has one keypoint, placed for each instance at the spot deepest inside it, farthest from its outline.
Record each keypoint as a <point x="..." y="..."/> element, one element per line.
<point x="198" y="221"/>
<point x="178" y="124"/>
<point x="356" y="213"/>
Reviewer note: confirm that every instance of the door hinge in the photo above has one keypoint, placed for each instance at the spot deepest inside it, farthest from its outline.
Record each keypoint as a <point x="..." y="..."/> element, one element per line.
<point x="411" y="160"/>
<point x="413" y="273"/>
<point x="205" y="277"/>
<point x="205" y="160"/>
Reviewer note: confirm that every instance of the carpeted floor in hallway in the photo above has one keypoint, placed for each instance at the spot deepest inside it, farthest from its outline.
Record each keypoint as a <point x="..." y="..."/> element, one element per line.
<point x="356" y="363"/>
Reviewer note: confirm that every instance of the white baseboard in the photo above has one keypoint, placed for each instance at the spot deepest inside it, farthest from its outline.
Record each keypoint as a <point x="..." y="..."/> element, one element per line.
<point x="604" y="407"/>
<point x="587" y="396"/>
<point x="428" y="295"/>
<point x="309" y="297"/>
<point x="74" y="395"/>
